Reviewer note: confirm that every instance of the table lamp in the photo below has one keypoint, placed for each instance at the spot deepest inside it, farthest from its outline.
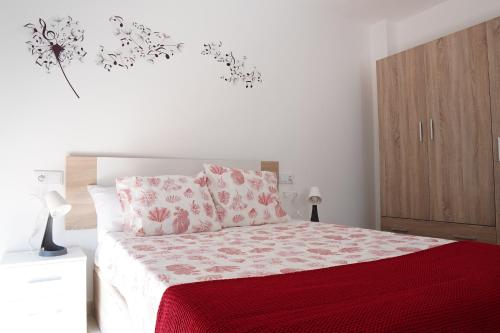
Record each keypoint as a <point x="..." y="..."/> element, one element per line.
<point x="58" y="207"/>
<point x="315" y="200"/>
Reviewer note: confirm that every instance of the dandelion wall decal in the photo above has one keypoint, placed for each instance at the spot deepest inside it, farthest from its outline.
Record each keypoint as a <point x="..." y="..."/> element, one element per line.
<point x="137" y="42"/>
<point x="56" y="44"/>
<point x="236" y="66"/>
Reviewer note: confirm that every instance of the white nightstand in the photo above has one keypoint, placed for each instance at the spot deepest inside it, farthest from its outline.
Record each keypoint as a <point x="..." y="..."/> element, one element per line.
<point x="43" y="294"/>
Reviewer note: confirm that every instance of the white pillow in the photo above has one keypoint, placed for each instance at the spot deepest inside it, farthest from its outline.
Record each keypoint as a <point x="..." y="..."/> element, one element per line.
<point x="107" y="207"/>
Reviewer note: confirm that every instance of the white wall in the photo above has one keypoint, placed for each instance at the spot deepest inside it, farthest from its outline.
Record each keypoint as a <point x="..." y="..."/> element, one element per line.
<point x="312" y="113"/>
<point x="379" y="48"/>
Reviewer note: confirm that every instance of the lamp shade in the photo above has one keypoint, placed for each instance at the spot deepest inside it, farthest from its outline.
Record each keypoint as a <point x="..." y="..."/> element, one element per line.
<point x="314" y="195"/>
<point x="56" y="204"/>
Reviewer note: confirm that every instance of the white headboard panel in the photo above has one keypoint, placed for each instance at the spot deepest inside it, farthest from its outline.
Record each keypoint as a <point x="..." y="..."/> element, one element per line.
<point x="109" y="168"/>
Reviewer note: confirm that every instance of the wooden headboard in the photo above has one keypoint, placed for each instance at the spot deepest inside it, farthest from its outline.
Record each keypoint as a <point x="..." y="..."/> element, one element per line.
<point x="82" y="171"/>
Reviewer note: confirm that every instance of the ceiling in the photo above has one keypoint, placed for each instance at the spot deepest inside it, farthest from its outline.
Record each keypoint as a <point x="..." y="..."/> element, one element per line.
<point x="371" y="11"/>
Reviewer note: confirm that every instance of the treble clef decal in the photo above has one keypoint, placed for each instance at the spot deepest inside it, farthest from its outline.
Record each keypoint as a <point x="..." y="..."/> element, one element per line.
<point x="49" y="35"/>
<point x="56" y="44"/>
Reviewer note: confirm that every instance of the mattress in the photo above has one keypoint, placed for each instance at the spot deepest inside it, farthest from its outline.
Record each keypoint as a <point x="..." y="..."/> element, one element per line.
<point x="142" y="268"/>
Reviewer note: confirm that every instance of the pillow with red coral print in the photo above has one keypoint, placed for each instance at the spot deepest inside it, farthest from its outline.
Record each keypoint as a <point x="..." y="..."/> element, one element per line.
<point x="164" y="205"/>
<point x="244" y="197"/>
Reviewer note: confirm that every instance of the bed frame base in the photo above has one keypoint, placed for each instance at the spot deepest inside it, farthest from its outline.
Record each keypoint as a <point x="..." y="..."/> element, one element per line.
<point x="110" y="308"/>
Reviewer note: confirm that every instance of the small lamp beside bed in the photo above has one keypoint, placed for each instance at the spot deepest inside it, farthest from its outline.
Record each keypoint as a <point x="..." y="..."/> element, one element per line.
<point x="315" y="200"/>
<point x="58" y="207"/>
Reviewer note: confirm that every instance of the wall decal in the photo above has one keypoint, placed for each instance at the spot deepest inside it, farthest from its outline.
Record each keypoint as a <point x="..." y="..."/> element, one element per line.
<point x="236" y="66"/>
<point x="56" y="44"/>
<point x="137" y="42"/>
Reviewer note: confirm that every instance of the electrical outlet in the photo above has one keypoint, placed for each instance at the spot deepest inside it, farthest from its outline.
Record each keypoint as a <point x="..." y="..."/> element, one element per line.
<point x="49" y="177"/>
<point x="287" y="178"/>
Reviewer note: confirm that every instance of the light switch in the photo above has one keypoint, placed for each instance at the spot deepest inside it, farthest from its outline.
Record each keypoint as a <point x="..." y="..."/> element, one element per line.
<point x="290" y="195"/>
<point x="49" y="177"/>
<point x="286" y="178"/>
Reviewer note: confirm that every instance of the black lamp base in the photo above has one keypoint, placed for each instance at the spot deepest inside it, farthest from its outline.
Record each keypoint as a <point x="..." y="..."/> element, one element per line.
<point x="49" y="248"/>
<point x="59" y="251"/>
<point x="314" y="214"/>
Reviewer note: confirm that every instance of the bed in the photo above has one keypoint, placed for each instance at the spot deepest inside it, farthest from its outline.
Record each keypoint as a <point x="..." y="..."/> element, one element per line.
<point x="141" y="269"/>
<point x="147" y="283"/>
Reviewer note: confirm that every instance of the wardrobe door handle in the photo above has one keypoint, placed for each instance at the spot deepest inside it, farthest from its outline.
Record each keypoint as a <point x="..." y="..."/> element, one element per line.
<point x="431" y="125"/>
<point x="498" y="146"/>
<point x="421" y="134"/>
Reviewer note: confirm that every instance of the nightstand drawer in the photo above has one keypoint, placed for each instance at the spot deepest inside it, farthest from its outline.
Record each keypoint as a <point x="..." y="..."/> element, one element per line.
<point x="43" y="294"/>
<point x="44" y="282"/>
<point x="57" y="320"/>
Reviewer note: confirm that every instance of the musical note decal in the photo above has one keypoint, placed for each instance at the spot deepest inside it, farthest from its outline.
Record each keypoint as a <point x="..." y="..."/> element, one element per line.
<point x="237" y="72"/>
<point x="137" y="42"/>
<point x="56" y="43"/>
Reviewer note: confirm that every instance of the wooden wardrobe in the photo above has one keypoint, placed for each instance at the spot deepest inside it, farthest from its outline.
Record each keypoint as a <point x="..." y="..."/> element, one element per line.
<point x="439" y="115"/>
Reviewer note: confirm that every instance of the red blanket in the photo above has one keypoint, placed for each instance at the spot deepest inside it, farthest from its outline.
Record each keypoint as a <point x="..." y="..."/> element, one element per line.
<point x="451" y="288"/>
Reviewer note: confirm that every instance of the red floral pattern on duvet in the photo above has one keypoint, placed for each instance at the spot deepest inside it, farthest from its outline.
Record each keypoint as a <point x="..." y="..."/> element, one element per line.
<point x="245" y="197"/>
<point x="264" y="250"/>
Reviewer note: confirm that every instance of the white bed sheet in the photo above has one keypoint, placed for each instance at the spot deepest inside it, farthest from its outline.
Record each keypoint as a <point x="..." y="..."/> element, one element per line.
<point x="141" y="268"/>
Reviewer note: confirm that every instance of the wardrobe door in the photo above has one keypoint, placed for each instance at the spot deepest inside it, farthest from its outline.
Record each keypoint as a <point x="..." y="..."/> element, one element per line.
<point x="403" y="146"/>
<point x="460" y="146"/>
<point x="493" y="28"/>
